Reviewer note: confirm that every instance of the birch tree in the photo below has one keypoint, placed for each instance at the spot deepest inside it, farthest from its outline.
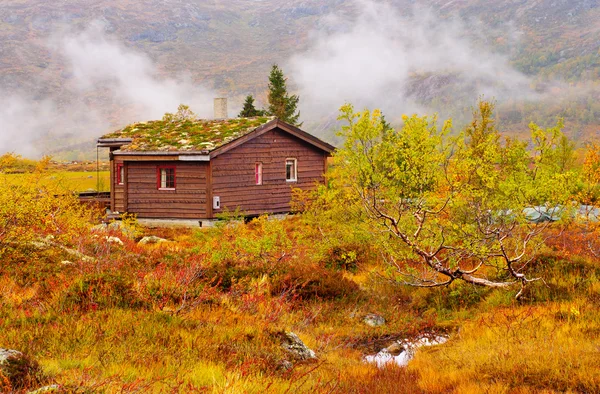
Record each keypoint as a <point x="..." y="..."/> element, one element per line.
<point x="448" y="208"/>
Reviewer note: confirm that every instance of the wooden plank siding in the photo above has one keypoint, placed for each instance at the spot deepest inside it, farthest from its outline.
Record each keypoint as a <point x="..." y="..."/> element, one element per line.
<point x="118" y="196"/>
<point x="187" y="201"/>
<point x="233" y="173"/>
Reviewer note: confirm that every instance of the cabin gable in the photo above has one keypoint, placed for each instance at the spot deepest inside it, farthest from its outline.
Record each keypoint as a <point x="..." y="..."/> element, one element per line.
<point x="234" y="173"/>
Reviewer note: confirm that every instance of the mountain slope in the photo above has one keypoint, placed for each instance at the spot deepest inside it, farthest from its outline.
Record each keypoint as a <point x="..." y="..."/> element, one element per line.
<point x="227" y="47"/>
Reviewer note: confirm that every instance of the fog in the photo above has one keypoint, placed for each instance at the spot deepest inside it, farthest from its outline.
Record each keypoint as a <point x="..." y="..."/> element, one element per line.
<point x="105" y="85"/>
<point x="130" y="76"/>
<point x="372" y="57"/>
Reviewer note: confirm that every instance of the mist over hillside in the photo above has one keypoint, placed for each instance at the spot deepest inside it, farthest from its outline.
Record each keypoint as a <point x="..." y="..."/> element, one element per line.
<point x="72" y="71"/>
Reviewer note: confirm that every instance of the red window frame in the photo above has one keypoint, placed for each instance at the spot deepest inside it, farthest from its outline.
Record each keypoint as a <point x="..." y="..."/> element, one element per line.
<point x="258" y="173"/>
<point x="120" y="174"/>
<point x="159" y="170"/>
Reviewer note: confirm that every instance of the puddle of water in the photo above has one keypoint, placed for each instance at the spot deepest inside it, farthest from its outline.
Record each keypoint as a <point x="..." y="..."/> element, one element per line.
<point x="384" y="357"/>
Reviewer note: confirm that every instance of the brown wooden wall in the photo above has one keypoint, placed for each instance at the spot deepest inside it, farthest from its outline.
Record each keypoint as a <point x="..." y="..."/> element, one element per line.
<point x="140" y="194"/>
<point x="233" y="177"/>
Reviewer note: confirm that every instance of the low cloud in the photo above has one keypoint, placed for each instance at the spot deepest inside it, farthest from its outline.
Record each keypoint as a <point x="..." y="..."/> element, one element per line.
<point x="105" y="85"/>
<point x="132" y="78"/>
<point x="378" y="57"/>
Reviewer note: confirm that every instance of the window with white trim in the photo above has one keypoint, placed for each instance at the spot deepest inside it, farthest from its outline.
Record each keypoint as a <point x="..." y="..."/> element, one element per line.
<point x="291" y="170"/>
<point x="165" y="178"/>
<point x="258" y="172"/>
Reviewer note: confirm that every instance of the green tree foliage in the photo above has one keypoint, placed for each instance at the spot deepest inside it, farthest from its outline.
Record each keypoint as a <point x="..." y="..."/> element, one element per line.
<point x="453" y="208"/>
<point x="281" y="104"/>
<point x="249" y="109"/>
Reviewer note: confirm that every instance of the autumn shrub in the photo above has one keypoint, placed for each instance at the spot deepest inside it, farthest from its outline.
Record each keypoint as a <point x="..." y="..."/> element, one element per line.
<point x="564" y="277"/>
<point x="101" y="291"/>
<point x="346" y="256"/>
<point x="11" y="163"/>
<point x="175" y="287"/>
<point x="445" y="300"/>
<point x="38" y="216"/>
<point x="310" y="281"/>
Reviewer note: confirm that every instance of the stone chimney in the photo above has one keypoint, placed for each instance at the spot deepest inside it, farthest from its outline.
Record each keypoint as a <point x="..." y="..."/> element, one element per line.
<point x="221" y="108"/>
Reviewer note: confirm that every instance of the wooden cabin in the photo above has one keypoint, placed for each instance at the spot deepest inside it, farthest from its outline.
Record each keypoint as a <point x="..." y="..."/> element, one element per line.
<point x="196" y="169"/>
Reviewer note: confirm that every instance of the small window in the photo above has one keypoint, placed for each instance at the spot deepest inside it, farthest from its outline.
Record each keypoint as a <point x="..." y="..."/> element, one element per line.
<point x="120" y="174"/>
<point x="166" y="178"/>
<point x="291" y="170"/>
<point x="258" y="173"/>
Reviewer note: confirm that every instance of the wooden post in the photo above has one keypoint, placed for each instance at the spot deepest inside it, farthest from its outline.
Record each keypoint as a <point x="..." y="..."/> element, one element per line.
<point x="111" y="182"/>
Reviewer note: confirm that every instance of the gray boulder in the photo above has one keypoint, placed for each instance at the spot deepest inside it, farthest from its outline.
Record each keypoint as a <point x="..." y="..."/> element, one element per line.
<point x="20" y="370"/>
<point x="373" y="320"/>
<point x="294" y="345"/>
<point x="53" y="388"/>
<point x="151" y="239"/>
<point x="7" y="354"/>
<point x="116" y="225"/>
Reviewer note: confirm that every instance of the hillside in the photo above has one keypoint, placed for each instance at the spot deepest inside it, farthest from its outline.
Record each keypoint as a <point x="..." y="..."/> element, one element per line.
<point x="192" y="51"/>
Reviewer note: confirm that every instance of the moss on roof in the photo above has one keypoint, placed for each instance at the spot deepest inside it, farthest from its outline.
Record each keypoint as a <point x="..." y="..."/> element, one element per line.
<point x="185" y="135"/>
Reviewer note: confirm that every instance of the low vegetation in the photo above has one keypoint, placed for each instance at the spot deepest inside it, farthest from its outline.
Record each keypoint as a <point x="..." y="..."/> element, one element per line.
<point x="205" y="312"/>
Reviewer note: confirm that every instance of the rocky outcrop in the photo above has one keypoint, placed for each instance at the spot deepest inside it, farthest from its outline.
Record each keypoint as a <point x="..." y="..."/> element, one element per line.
<point x="151" y="239"/>
<point x="19" y="370"/>
<point x="295" y="347"/>
<point x="53" y="388"/>
<point x="373" y="320"/>
<point x="49" y="242"/>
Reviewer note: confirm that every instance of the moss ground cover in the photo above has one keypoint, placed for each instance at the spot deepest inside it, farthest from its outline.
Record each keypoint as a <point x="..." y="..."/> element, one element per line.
<point x="172" y="133"/>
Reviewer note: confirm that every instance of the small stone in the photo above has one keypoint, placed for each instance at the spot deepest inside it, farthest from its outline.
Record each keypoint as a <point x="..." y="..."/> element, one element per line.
<point x="285" y="365"/>
<point x="20" y="370"/>
<point x="395" y="349"/>
<point x="53" y="388"/>
<point x="113" y="240"/>
<point x="5" y="354"/>
<point x="151" y="239"/>
<point x="374" y="320"/>
<point x="294" y="345"/>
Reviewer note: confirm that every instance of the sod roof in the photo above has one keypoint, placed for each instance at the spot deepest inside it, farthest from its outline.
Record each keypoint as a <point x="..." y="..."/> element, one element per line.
<point x="185" y="135"/>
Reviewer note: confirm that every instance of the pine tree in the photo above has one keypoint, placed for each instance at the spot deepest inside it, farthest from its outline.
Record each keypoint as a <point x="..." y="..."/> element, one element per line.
<point x="281" y="104"/>
<point x="249" y="109"/>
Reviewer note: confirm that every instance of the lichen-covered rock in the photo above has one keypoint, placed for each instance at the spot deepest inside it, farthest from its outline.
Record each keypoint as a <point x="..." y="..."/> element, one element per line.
<point x="374" y="320"/>
<point x="116" y="225"/>
<point x="53" y="388"/>
<point x="284" y="365"/>
<point x="151" y="239"/>
<point x="20" y="370"/>
<point x="395" y="349"/>
<point x="114" y="240"/>
<point x="294" y="345"/>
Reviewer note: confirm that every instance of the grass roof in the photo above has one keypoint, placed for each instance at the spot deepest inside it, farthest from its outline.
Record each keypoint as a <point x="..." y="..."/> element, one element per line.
<point x="171" y="134"/>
